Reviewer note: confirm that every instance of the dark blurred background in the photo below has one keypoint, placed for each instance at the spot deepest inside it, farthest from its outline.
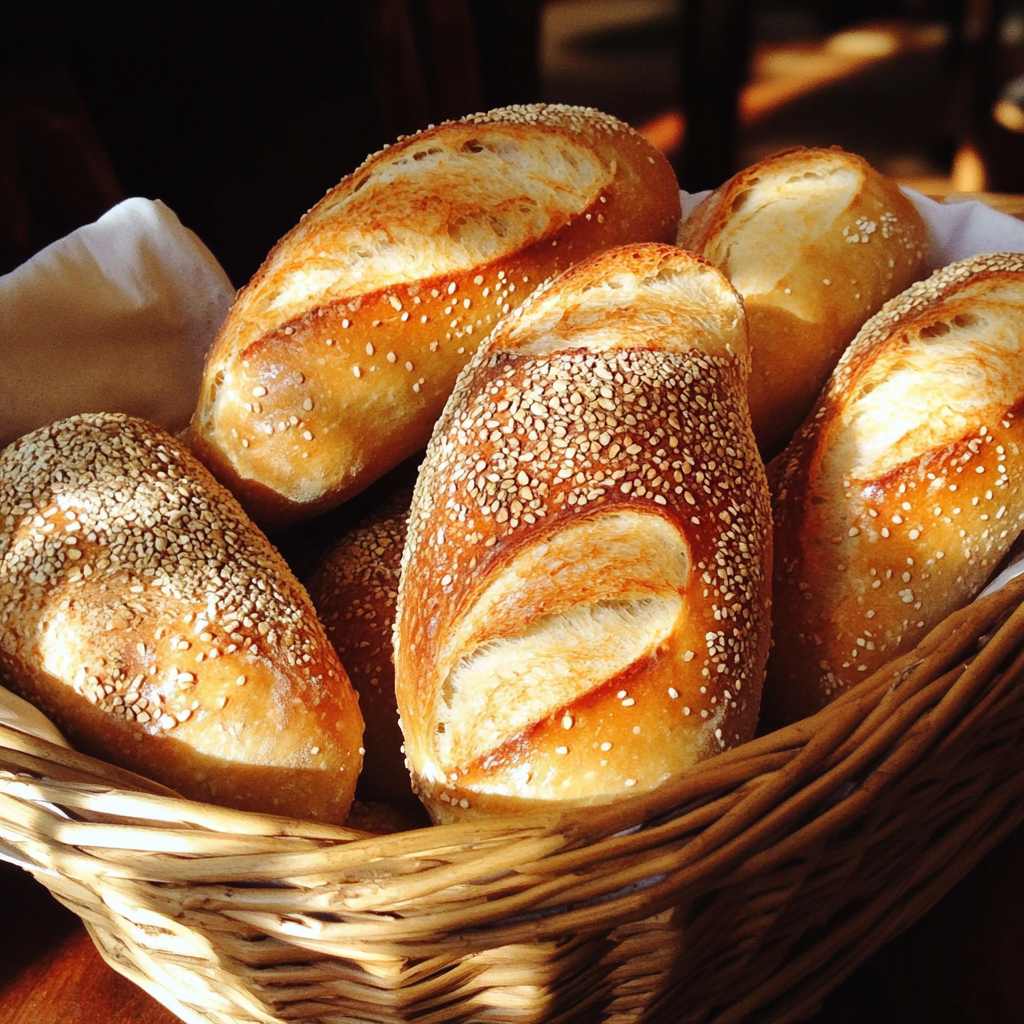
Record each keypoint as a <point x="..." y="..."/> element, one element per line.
<point x="239" y="115"/>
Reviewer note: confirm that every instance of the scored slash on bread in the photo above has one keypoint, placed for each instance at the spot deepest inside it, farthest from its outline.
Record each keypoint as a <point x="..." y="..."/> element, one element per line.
<point x="337" y="358"/>
<point x="902" y="492"/>
<point x="584" y="595"/>
<point x="814" y="240"/>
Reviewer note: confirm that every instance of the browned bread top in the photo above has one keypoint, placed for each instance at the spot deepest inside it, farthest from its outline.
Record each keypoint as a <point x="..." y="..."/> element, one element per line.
<point x="337" y="358"/>
<point x="436" y="204"/>
<point x="584" y="592"/>
<point x="902" y="492"/>
<point x="815" y="240"/>
<point x="355" y="588"/>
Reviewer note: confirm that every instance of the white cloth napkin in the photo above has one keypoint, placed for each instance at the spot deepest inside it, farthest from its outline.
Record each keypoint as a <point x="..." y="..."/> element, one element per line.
<point x="960" y="229"/>
<point x="116" y="317"/>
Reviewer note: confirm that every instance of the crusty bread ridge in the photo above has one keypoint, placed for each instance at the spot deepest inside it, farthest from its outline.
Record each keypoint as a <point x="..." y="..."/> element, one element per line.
<point x="354" y="588"/>
<point x="903" y="490"/>
<point x="814" y="240"/>
<point x="143" y="612"/>
<point x="583" y="604"/>
<point x="337" y="358"/>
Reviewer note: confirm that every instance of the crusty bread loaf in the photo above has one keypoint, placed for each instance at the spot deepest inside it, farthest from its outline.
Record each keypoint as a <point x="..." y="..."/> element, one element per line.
<point x="903" y="490"/>
<point x="814" y="240"/>
<point x="354" y="588"/>
<point x="584" y="595"/>
<point x="155" y="625"/>
<point x="337" y="358"/>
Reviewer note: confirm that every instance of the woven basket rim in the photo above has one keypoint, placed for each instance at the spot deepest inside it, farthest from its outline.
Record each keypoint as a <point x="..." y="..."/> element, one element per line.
<point x="870" y="709"/>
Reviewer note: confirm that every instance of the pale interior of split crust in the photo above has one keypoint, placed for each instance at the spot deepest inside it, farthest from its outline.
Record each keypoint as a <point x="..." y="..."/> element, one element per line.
<point x="937" y="380"/>
<point x="773" y="219"/>
<point x="573" y="611"/>
<point x="682" y="303"/>
<point x="395" y="223"/>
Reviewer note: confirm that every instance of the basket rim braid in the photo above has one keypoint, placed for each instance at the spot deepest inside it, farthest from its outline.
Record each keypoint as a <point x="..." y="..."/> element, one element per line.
<point x="745" y="890"/>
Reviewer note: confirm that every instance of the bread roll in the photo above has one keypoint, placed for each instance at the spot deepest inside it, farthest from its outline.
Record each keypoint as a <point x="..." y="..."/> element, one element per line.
<point x="337" y="358"/>
<point x="157" y="628"/>
<point x="904" y="489"/>
<point x="814" y="240"/>
<point x="354" y="589"/>
<point x="583" y="606"/>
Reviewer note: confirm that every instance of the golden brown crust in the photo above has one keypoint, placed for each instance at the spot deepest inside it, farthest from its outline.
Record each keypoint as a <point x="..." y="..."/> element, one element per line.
<point x="583" y="605"/>
<point x="337" y="358"/>
<point x="901" y="493"/>
<point x="815" y="240"/>
<point x="157" y="627"/>
<point x="354" y="589"/>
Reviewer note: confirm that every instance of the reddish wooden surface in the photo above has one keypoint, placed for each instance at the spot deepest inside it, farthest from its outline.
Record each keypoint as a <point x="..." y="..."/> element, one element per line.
<point x="960" y="964"/>
<point x="50" y="972"/>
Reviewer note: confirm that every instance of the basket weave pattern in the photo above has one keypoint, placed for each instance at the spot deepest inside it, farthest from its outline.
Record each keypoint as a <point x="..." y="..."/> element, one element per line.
<point x="744" y="891"/>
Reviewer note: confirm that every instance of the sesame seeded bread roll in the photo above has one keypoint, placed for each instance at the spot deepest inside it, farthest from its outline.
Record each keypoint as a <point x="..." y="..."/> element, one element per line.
<point x="903" y="490"/>
<point x="337" y="358"/>
<point x="583" y="609"/>
<point x="144" y="614"/>
<point x="814" y="240"/>
<point x="354" y="589"/>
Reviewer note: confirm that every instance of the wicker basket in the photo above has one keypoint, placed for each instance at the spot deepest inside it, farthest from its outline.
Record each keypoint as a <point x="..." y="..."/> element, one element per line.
<point x="745" y="891"/>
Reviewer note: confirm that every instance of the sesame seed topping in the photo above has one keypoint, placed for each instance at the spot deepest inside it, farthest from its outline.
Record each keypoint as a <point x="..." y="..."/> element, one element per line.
<point x="538" y="432"/>
<point x="160" y="532"/>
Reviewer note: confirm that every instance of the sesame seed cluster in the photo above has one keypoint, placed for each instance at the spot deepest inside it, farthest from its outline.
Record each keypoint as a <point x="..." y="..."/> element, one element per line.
<point x="107" y="523"/>
<point x="563" y="116"/>
<point x="556" y="115"/>
<point x="355" y="589"/>
<point x="529" y="437"/>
